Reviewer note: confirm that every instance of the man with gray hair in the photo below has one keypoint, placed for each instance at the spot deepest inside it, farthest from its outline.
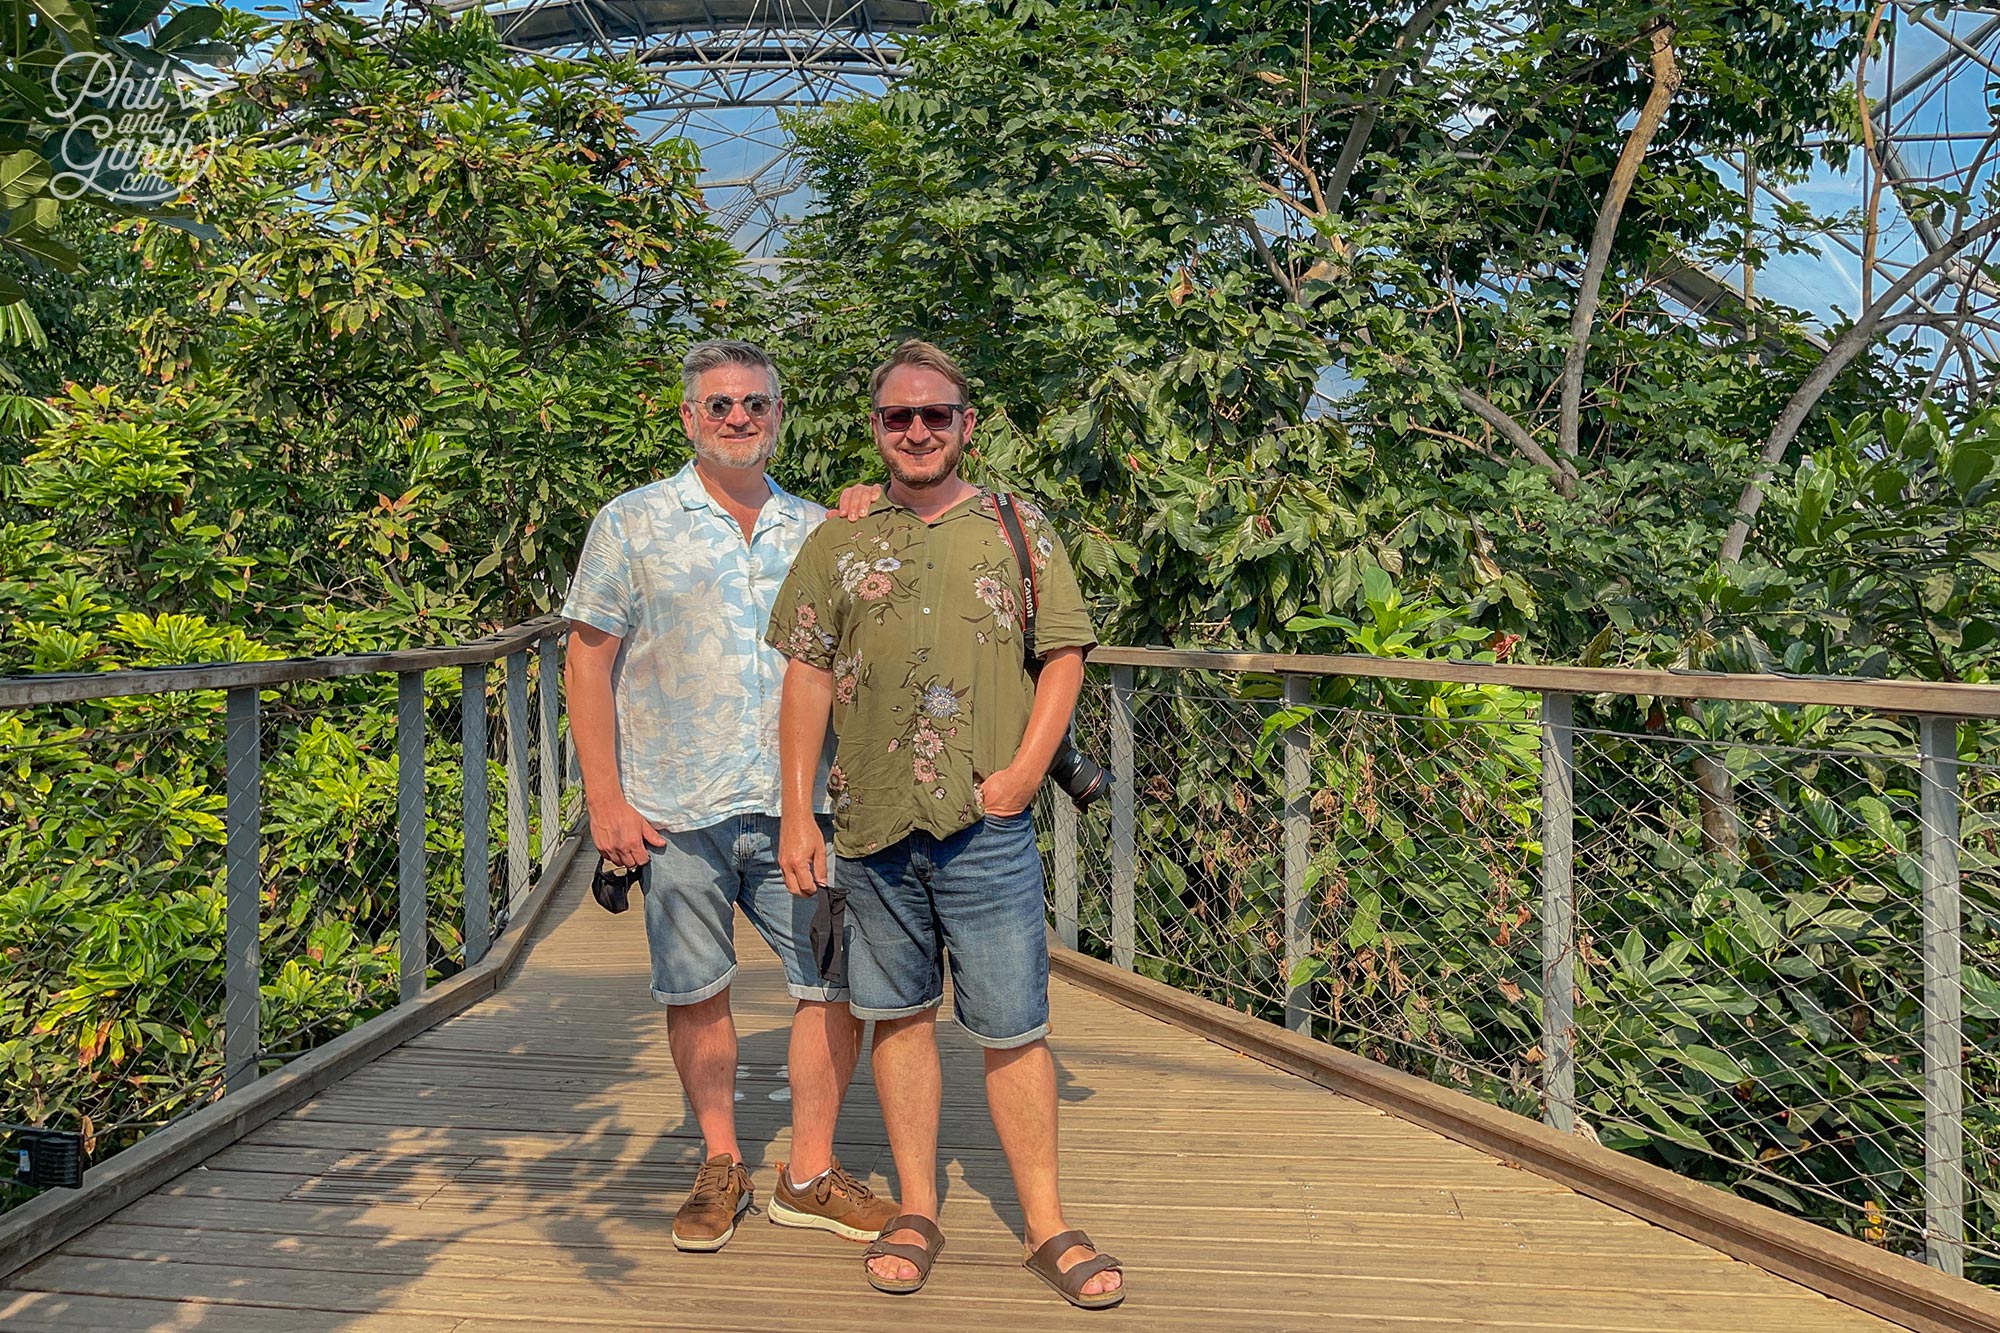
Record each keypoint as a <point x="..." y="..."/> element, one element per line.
<point x="673" y="703"/>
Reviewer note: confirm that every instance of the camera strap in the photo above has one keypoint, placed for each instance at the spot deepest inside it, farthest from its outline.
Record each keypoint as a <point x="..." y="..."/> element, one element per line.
<point x="1010" y="523"/>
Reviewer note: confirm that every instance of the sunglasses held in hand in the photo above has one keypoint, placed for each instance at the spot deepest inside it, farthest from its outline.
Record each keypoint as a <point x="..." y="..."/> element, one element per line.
<point x="612" y="885"/>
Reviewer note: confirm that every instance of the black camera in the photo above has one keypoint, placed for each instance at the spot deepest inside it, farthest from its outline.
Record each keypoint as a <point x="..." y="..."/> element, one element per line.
<point x="1078" y="774"/>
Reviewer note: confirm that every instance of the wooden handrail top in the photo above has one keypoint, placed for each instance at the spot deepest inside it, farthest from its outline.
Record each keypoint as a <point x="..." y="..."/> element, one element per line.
<point x="1921" y="697"/>
<point x="1918" y="697"/>
<point x="75" y="686"/>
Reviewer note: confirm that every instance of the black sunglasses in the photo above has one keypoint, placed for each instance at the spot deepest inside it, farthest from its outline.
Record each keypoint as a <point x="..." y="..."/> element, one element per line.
<point x="718" y="406"/>
<point x="936" y="416"/>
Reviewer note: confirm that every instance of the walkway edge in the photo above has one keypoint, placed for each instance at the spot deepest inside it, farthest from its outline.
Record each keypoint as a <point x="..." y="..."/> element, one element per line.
<point x="1897" y="1289"/>
<point x="32" y="1230"/>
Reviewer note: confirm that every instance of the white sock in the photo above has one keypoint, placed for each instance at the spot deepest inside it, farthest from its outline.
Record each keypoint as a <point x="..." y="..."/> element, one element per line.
<point x="800" y="1186"/>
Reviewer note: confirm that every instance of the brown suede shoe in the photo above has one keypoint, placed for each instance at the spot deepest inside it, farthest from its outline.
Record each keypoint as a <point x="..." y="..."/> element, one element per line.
<point x="721" y="1194"/>
<point x="836" y="1202"/>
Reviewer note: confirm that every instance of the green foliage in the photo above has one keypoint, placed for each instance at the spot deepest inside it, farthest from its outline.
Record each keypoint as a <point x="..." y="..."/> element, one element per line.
<point x="1224" y="276"/>
<point x="426" y="322"/>
<point x="39" y="112"/>
<point x="1889" y="561"/>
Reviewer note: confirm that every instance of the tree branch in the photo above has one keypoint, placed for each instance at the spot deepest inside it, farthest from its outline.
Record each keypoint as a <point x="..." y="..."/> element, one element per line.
<point x="1666" y="82"/>
<point x="1845" y="348"/>
<point x="1561" y="470"/>
<point x="1271" y="265"/>
<point x="1363" y="127"/>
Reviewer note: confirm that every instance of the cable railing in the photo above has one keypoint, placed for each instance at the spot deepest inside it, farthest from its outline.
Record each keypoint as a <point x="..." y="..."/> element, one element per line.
<point x="1741" y="927"/>
<point x="208" y="871"/>
<point x="1746" y="928"/>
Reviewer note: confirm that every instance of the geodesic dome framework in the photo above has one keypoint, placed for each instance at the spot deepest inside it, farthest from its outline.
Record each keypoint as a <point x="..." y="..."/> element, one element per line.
<point x="1932" y="107"/>
<point x="727" y="69"/>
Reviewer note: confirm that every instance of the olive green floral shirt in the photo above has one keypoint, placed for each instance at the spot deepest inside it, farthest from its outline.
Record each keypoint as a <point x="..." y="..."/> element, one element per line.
<point x="920" y="624"/>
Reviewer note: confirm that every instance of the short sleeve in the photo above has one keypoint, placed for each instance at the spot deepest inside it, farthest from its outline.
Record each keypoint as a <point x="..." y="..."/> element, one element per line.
<point x="1061" y="618"/>
<point x="805" y="620"/>
<point x="601" y="593"/>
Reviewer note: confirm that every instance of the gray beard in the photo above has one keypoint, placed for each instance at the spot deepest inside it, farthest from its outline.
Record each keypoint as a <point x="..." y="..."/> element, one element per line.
<point x="710" y="453"/>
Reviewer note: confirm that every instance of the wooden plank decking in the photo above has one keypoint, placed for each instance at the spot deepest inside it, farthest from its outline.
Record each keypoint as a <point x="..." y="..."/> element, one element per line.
<point x="516" y="1168"/>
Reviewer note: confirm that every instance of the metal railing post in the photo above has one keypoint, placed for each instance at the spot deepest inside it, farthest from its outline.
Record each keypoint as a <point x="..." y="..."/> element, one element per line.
<point x="243" y="896"/>
<point x="413" y="933"/>
<point x="1124" y="822"/>
<point x="1944" y="1035"/>
<point x="517" y="778"/>
<point x="1558" y="911"/>
<point x="1065" y="863"/>
<point x="478" y="816"/>
<point x="547" y="687"/>
<point x="1298" y="852"/>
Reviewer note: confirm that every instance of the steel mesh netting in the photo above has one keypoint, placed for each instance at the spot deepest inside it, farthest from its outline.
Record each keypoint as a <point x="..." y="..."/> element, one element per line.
<point x="1422" y="921"/>
<point x="1979" y="869"/>
<point x="498" y="901"/>
<point x="111" y="915"/>
<point x="444" y="826"/>
<point x="1416" y="943"/>
<point x="1750" y="974"/>
<point x="1090" y="732"/>
<point x="114" y="901"/>
<point x="1749" y="979"/>
<point x="330" y="912"/>
<point x="542" y="841"/>
<point x="1207" y="867"/>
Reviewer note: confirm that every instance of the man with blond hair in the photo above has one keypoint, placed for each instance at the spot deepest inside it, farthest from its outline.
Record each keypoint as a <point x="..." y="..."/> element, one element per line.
<point x="673" y="701"/>
<point x="906" y="628"/>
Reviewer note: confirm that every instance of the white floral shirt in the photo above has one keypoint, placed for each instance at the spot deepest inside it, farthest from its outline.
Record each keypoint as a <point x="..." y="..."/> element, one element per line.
<point x="695" y="687"/>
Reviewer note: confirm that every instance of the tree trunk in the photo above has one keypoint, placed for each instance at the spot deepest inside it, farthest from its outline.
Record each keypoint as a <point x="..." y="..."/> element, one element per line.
<point x="1666" y="82"/>
<point x="1721" y="830"/>
<point x="1845" y="348"/>
<point x="1363" y="127"/>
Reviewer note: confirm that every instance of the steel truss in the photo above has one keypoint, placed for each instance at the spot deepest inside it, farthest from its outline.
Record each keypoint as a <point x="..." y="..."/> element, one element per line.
<point x="727" y="70"/>
<point x="1933" y="117"/>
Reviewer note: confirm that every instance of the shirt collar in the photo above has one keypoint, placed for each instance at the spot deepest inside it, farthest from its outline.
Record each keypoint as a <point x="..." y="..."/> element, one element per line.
<point x="692" y="494"/>
<point x="980" y="501"/>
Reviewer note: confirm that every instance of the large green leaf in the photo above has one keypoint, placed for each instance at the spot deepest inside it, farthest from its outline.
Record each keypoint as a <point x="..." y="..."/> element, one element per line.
<point x="23" y="175"/>
<point x="116" y="18"/>
<point x="75" y="19"/>
<point x="188" y="28"/>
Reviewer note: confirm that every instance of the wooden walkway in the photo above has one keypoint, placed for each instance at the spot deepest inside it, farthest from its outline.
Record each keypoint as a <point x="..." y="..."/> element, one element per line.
<point x="516" y="1169"/>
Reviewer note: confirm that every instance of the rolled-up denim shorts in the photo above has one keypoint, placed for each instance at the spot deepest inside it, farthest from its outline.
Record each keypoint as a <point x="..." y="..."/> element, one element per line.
<point x="976" y="897"/>
<point x="694" y="885"/>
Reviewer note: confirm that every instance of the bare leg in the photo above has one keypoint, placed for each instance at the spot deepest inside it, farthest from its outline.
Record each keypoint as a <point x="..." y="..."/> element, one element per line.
<point x="1021" y="1096"/>
<point x="911" y="1088"/>
<point x="825" y="1046"/>
<point x="702" y="1037"/>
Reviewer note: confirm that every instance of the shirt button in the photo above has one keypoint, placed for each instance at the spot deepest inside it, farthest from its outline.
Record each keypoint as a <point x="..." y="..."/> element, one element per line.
<point x="927" y="610"/>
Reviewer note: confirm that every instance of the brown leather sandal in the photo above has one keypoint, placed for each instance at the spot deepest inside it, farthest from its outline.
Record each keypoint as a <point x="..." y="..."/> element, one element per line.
<point x="1069" y="1284"/>
<point x="920" y="1257"/>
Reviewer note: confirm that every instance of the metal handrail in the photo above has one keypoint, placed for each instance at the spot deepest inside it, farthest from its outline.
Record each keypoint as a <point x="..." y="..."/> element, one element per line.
<point x="1917" y="697"/>
<point x="1118" y="857"/>
<point x="60" y="687"/>
<point x="526" y="707"/>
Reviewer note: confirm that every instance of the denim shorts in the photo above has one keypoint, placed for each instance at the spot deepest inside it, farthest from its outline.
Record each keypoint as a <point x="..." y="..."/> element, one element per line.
<point x="694" y="885"/>
<point x="976" y="896"/>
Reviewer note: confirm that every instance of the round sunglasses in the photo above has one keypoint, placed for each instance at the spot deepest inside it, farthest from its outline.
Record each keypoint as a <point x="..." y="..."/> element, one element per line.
<point x="936" y="416"/>
<point x="718" y="406"/>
